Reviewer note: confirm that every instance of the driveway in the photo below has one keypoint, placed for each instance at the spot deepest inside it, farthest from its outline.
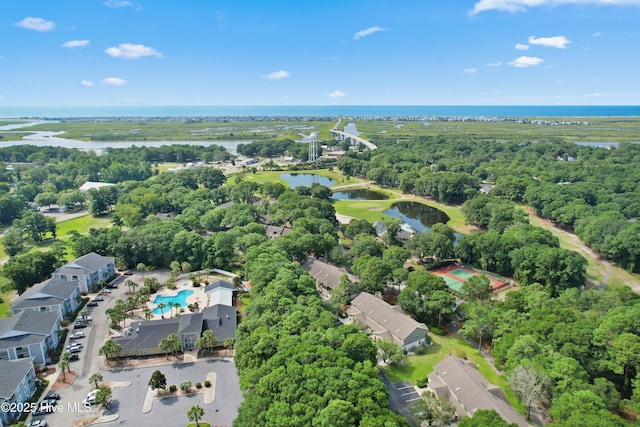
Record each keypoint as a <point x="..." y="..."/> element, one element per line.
<point x="401" y="396"/>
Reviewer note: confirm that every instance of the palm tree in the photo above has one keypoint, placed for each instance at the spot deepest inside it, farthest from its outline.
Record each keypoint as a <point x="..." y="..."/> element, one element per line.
<point x="141" y="268"/>
<point x="96" y="378"/>
<point x="147" y="313"/>
<point x="195" y="413"/>
<point x="161" y="307"/>
<point x="177" y="306"/>
<point x="110" y="349"/>
<point x="165" y="346"/>
<point x="63" y="364"/>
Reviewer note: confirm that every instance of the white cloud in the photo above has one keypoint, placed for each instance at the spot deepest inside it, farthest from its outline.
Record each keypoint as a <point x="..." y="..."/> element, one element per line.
<point x="521" y="46"/>
<point x="277" y="75"/>
<point x="118" y="3"/>
<point x="523" y="5"/>
<point x="367" y="32"/>
<point x="525" y="61"/>
<point x="598" y="34"/>
<point x="113" y="81"/>
<point x="75" y="43"/>
<point x="37" y="24"/>
<point x="494" y="64"/>
<point x="132" y="51"/>
<point x="560" y="42"/>
<point x="336" y="94"/>
<point x="470" y="70"/>
<point x="87" y="83"/>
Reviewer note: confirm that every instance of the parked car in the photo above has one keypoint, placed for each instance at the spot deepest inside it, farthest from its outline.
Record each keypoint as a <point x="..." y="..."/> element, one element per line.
<point x="53" y="395"/>
<point x="74" y="357"/>
<point x="75" y="350"/>
<point x="45" y="407"/>
<point x="106" y="291"/>
<point x="74" y="345"/>
<point x="112" y="286"/>
<point x="98" y="298"/>
<point x="38" y="423"/>
<point x="127" y="273"/>
<point x="92" y="304"/>
<point x="79" y="325"/>
<point x="77" y="335"/>
<point x="85" y="318"/>
<point x="92" y="393"/>
<point x="48" y="402"/>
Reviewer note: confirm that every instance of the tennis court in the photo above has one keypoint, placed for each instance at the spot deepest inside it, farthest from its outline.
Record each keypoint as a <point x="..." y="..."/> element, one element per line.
<point x="451" y="282"/>
<point x="455" y="275"/>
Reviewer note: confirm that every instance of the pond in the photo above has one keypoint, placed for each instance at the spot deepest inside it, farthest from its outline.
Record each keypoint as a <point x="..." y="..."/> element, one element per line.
<point x="306" y="179"/>
<point x="420" y="217"/>
<point x="358" y="194"/>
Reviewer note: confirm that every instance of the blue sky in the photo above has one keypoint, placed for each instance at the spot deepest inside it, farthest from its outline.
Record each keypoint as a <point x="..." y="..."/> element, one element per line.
<point x="348" y="52"/>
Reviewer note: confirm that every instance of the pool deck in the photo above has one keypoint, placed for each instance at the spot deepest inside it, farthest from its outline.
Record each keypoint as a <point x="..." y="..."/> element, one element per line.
<point x="185" y="284"/>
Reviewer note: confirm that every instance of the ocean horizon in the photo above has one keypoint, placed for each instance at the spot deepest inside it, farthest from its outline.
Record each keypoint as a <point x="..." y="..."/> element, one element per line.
<point x="373" y="111"/>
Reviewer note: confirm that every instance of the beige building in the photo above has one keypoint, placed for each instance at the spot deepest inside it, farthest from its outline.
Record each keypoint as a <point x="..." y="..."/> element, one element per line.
<point x="459" y="381"/>
<point x="327" y="275"/>
<point x="386" y="321"/>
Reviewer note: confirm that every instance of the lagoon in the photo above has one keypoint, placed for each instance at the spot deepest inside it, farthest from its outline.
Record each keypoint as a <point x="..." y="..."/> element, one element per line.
<point x="306" y="179"/>
<point x="420" y="217"/>
<point x="358" y="194"/>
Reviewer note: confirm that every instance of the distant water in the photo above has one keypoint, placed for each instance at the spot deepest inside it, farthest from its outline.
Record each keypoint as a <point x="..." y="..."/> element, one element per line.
<point x="321" y="111"/>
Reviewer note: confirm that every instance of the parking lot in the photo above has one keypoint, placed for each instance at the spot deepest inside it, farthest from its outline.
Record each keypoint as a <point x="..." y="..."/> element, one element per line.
<point x="127" y="401"/>
<point x="401" y="396"/>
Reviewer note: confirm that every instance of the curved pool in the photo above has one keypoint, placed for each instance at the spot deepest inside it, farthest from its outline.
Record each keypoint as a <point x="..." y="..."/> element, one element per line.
<point x="180" y="298"/>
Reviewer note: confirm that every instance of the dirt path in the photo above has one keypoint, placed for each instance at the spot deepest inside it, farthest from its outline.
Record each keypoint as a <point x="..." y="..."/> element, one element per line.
<point x="598" y="265"/>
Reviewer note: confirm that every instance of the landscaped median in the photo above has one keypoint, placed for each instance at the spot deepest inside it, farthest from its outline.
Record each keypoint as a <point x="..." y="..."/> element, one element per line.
<point x="174" y="391"/>
<point x="418" y="367"/>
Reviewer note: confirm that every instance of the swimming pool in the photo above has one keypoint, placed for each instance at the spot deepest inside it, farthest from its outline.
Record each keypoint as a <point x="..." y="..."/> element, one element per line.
<point x="180" y="298"/>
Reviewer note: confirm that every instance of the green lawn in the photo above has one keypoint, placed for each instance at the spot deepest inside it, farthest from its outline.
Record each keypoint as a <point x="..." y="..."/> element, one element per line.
<point x="82" y="224"/>
<point x="419" y="366"/>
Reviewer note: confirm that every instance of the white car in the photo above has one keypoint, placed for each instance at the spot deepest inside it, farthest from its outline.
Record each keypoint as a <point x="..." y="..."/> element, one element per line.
<point x="77" y="335"/>
<point x="90" y="400"/>
<point x="92" y="394"/>
<point x="73" y="346"/>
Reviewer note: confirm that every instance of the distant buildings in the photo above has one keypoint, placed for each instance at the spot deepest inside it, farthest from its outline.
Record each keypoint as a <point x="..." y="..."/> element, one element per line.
<point x="388" y="322"/>
<point x="92" y="185"/>
<point x="459" y="381"/>
<point x="273" y="231"/>
<point x="327" y="276"/>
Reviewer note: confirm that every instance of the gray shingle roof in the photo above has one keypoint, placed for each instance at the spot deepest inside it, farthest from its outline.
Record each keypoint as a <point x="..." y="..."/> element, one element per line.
<point x="148" y="334"/>
<point x="328" y="274"/>
<point x="219" y="284"/>
<point x="382" y="317"/>
<point x="12" y="373"/>
<point x="51" y="292"/>
<point x="469" y="391"/>
<point x="90" y="262"/>
<point x="190" y="323"/>
<point x="28" y="322"/>
<point x="221" y="320"/>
